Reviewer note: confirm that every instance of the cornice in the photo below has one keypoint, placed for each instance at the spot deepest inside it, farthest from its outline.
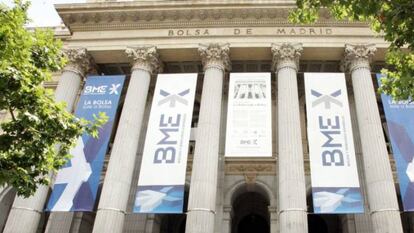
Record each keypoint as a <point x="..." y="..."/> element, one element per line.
<point x="122" y="16"/>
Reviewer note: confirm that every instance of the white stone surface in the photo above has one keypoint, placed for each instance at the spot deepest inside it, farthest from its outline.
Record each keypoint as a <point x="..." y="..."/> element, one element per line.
<point x="115" y="192"/>
<point x="292" y="198"/>
<point x="378" y="175"/>
<point x="203" y="186"/>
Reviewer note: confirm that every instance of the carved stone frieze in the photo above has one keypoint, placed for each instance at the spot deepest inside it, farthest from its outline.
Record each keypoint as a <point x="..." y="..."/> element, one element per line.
<point x="139" y="16"/>
<point x="286" y="55"/>
<point x="215" y="55"/>
<point x="358" y="56"/>
<point x="79" y="61"/>
<point x="250" y="178"/>
<point x="144" y="58"/>
<point x="251" y="168"/>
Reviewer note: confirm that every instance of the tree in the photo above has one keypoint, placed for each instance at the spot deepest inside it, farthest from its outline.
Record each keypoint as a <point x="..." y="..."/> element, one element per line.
<point x="37" y="126"/>
<point x="393" y="18"/>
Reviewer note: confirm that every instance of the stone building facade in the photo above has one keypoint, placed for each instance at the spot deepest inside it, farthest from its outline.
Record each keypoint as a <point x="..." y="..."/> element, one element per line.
<point x="224" y="195"/>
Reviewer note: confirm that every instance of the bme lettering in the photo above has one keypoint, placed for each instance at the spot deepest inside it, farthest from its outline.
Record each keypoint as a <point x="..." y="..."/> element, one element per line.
<point x="95" y="89"/>
<point x="169" y="127"/>
<point x="332" y="154"/>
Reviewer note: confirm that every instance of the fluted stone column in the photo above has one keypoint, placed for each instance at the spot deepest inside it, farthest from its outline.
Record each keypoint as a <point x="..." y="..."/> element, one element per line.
<point x="380" y="187"/>
<point x="292" y="186"/>
<point x="362" y="222"/>
<point x="117" y="183"/>
<point x="203" y="186"/>
<point x="26" y="212"/>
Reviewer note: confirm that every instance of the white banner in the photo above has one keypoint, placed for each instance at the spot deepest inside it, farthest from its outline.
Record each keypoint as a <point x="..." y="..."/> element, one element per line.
<point x="334" y="171"/>
<point x="162" y="175"/>
<point x="249" y="116"/>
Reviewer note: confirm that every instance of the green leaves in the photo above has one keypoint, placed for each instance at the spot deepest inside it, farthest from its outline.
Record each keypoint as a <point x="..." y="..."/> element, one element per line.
<point x="392" y="18"/>
<point x="399" y="80"/>
<point x="37" y="138"/>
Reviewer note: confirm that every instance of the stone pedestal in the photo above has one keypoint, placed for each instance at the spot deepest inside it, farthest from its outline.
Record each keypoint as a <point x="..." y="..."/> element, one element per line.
<point x="117" y="183"/>
<point x="203" y="186"/>
<point x="25" y="214"/>
<point x="292" y="186"/>
<point x="379" y="183"/>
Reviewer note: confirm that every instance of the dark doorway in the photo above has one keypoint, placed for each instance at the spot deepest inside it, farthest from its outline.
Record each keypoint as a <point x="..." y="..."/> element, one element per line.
<point x="175" y="223"/>
<point x="316" y="224"/>
<point x="250" y="213"/>
<point x="253" y="223"/>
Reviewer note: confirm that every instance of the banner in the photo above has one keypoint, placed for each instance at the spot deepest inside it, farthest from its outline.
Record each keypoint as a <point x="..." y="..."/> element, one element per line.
<point x="76" y="183"/>
<point x="164" y="162"/>
<point x="400" y="122"/>
<point x="334" y="174"/>
<point x="249" y="116"/>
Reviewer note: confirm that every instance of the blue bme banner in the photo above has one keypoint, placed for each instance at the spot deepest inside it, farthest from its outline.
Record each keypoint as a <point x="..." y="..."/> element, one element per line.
<point x="77" y="182"/>
<point x="400" y="122"/>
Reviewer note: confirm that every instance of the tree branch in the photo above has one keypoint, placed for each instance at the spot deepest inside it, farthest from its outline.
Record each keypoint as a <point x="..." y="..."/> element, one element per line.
<point x="12" y="114"/>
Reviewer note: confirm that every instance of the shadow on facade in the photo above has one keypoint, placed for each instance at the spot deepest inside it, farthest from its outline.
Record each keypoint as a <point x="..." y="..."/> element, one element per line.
<point x="175" y="223"/>
<point x="323" y="223"/>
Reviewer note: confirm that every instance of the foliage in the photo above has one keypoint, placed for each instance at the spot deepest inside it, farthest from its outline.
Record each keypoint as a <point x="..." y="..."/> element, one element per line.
<point x="392" y="18"/>
<point x="30" y="138"/>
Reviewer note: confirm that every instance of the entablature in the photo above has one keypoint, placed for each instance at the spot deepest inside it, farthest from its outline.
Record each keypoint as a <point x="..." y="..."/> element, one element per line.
<point x="182" y="14"/>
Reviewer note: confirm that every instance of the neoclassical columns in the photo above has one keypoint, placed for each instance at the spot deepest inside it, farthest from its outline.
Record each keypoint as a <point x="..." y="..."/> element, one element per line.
<point x="203" y="188"/>
<point x="117" y="183"/>
<point x="26" y="212"/>
<point x="80" y="63"/>
<point x="378" y="175"/>
<point x="292" y="186"/>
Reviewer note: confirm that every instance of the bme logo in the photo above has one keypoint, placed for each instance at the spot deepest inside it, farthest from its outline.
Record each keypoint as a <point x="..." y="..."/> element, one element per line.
<point x="101" y="90"/>
<point x="331" y="129"/>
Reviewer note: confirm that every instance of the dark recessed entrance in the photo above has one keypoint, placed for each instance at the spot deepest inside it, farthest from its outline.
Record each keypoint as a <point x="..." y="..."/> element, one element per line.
<point x="250" y="212"/>
<point x="253" y="223"/>
<point x="317" y="224"/>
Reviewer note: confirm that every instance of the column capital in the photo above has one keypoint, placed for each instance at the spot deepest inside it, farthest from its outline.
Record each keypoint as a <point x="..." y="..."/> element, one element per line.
<point x="286" y="55"/>
<point x="215" y="55"/>
<point x="357" y="56"/>
<point x="79" y="61"/>
<point x="145" y="58"/>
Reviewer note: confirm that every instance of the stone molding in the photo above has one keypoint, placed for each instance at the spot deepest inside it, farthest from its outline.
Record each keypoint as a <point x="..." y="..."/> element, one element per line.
<point x="251" y="168"/>
<point x="286" y="55"/>
<point x="144" y="58"/>
<point x="215" y="56"/>
<point x="250" y="178"/>
<point x="358" y="56"/>
<point x="171" y="14"/>
<point x="79" y="61"/>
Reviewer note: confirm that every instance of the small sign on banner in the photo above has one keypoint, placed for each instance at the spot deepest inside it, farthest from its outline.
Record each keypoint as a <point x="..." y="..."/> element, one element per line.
<point x="164" y="162"/>
<point x="400" y="122"/>
<point x="249" y="116"/>
<point x="334" y="173"/>
<point x="77" y="182"/>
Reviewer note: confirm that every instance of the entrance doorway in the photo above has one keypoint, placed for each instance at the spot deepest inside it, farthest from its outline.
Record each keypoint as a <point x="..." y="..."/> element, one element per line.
<point x="253" y="223"/>
<point x="250" y="213"/>
<point x="316" y="224"/>
<point x="175" y="223"/>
